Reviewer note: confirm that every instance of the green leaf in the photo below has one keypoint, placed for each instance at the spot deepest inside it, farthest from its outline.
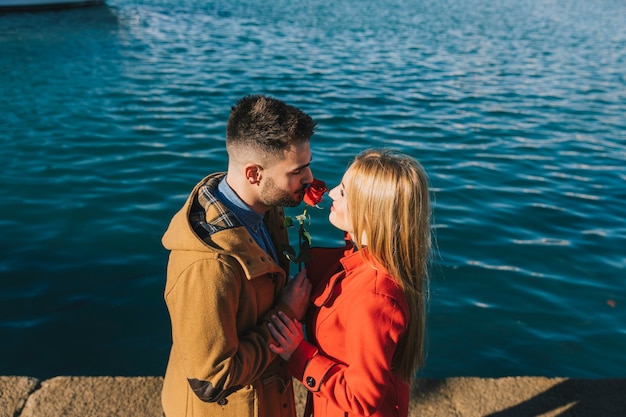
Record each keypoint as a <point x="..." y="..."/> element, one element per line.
<point x="288" y="222"/>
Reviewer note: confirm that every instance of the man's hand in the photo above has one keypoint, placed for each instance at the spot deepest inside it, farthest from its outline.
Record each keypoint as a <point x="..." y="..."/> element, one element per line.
<point x="296" y="294"/>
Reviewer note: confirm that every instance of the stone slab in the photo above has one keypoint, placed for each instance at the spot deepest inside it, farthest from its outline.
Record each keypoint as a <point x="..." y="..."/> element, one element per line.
<point x="519" y="397"/>
<point x="14" y="391"/>
<point x="96" y="397"/>
<point x="451" y="397"/>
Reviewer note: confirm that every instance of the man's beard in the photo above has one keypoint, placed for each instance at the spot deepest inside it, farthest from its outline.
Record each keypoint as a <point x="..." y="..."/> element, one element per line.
<point x="274" y="196"/>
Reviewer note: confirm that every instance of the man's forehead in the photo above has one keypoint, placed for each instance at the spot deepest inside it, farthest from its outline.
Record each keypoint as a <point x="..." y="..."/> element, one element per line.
<point x="298" y="156"/>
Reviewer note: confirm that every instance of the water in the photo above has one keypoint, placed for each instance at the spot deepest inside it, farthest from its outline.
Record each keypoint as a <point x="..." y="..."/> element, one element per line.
<point x="517" y="109"/>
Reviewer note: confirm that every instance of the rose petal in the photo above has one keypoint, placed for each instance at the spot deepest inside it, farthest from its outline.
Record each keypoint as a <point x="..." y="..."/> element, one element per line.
<point x="314" y="192"/>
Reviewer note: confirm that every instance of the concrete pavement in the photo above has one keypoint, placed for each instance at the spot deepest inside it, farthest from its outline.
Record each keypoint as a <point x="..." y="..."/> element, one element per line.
<point x="72" y="396"/>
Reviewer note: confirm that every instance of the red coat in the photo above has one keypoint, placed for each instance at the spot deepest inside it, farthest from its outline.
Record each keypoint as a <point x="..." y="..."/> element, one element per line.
<point x="358" y="317"/>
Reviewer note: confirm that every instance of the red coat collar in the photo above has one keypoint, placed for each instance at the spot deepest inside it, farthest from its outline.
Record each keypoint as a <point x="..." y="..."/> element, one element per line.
<point x="352" y="260"/>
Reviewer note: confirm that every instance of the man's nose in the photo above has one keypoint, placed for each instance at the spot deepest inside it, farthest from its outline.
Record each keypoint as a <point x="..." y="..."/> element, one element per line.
<point x="308" y="178"/>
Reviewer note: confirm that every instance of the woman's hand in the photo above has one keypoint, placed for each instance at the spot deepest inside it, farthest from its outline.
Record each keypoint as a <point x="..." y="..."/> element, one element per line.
<point x="288" y="334"/>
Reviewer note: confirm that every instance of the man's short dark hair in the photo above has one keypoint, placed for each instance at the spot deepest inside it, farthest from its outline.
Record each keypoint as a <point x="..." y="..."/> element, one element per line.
<point x="266" y="125"/>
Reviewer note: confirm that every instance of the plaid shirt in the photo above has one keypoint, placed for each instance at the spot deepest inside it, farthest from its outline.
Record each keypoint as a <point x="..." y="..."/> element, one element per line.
<point x="232" y="212"/>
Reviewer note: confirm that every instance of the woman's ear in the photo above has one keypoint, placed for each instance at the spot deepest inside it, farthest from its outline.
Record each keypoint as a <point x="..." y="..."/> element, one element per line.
<point x="253" y="173"/>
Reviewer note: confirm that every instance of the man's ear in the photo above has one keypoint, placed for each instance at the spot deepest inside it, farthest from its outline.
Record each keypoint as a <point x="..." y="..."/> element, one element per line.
<point x="253" y="173"/>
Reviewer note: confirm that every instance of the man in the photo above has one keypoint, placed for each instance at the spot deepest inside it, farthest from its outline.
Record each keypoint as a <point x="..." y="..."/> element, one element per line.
<point x="227" y="273"/>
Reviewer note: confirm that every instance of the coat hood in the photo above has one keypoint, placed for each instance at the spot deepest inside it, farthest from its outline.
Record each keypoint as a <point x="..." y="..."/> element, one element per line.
<point x="204" y="224"/>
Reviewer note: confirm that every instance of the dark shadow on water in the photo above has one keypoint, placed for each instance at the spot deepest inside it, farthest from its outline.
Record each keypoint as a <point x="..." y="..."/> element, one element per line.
<point x="576" y="397"/>
<point x="54" y="42"/>
<point x="56" y="17"/>
<point x="60" y="5"/>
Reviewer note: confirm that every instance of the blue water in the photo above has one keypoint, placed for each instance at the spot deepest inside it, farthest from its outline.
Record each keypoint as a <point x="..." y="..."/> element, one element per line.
<point x="517" y="108"/>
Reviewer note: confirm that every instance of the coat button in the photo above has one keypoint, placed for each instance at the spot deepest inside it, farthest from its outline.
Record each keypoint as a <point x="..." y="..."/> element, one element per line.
<point x="223" y="401"/>
<point x="310" y="381"/>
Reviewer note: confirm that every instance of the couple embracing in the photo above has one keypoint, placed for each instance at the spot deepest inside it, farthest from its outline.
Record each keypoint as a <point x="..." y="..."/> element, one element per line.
<point x="237" y="320"/>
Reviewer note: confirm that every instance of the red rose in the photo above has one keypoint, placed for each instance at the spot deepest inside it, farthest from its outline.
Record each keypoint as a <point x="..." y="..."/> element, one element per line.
<point x="315" y="192"/>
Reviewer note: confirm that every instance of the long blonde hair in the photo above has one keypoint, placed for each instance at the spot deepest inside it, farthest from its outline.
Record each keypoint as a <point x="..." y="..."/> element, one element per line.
<point x="388" y="201"/>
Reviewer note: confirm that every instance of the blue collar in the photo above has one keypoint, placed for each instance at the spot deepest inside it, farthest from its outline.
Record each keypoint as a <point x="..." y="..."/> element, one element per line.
<point x="250" y="218"/>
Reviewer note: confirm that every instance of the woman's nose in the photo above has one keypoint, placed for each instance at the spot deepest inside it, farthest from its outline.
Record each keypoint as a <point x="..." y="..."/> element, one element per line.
<point x="332" y="193"/>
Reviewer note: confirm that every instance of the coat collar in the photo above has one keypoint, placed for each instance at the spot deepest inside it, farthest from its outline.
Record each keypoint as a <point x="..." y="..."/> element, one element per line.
<point x="350" y="262"/>
<point x="220" y="230"/>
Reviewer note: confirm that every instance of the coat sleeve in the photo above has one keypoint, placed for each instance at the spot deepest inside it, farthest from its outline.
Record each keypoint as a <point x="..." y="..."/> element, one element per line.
<point x="204" y="309"/>
<point x="374" y="327"/>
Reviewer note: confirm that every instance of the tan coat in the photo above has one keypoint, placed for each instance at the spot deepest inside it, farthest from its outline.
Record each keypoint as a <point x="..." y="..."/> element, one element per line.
<point x="221" y="288"/>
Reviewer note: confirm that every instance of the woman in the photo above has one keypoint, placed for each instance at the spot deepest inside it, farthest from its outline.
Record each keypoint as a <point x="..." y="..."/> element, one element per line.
<point x="367" y="323"/>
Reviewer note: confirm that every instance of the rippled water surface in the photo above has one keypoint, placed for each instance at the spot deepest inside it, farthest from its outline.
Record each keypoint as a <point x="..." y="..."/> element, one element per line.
<point x="517" y="109"/>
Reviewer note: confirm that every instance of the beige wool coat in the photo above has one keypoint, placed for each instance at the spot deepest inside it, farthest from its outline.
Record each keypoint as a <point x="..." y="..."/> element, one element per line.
<point x="220" y="292"/>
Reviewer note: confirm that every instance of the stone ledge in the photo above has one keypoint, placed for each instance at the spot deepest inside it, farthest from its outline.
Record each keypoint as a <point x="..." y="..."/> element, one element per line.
<point x="107" y="396"/>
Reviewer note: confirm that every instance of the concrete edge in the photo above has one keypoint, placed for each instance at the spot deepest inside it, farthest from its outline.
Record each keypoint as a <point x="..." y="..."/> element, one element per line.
<point x="14" y="391"/>
<point x="106" y="396"/>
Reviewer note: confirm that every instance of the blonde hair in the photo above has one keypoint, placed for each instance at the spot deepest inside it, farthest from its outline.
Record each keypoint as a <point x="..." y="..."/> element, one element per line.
<point x="388" y="201"/>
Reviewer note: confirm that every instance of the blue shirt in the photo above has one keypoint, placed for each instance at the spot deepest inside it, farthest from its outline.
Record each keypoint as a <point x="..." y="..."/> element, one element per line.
<point x="252" y="221"/>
